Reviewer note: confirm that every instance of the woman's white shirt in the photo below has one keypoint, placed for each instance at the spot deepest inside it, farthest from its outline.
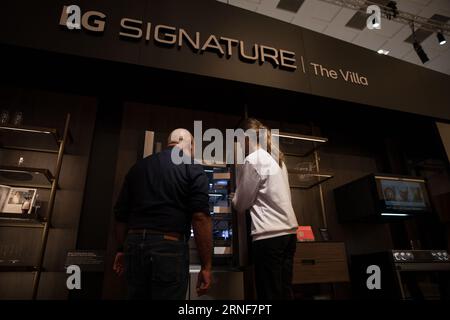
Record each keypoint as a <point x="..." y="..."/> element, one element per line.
<point x="263" y="188"/>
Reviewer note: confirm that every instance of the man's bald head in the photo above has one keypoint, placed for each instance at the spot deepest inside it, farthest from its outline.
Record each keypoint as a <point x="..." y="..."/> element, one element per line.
<point x="182" y="139"/>
<point x="179" y="135"/>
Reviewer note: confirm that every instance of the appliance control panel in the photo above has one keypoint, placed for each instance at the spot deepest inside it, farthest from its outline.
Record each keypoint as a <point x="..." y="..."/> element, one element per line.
<point x="416" y="256"/>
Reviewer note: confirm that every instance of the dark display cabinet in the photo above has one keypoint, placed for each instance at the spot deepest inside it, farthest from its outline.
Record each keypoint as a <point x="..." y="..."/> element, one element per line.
<point x="230" y="240"/>
<point x="29" y="257"/>
<point x="302" y="159"/>
<point x="221" y="185"/>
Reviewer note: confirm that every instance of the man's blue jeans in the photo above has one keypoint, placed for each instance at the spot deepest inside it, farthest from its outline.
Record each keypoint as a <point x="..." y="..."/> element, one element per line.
<point x="156" y="268"/>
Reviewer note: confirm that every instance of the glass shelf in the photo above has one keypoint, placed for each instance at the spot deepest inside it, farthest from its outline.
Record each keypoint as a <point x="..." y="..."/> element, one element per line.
<point x="30" y="138"/>
<point x="26" y="177"/>
<point x="299" y="145"/>
<point x="10" y="267"/>
<point x="300" y="180"/>
<point x="10" y="220"/>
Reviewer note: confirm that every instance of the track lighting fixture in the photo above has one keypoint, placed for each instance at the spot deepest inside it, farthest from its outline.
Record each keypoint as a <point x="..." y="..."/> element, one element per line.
<point x="420" y="52"/>
<point x="418" y="48"/>
<point x="393" y="11"/>
<point x="441" y="38"/>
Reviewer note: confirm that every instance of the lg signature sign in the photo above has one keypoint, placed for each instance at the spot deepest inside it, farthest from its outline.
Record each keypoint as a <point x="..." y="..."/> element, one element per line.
<point x="72" y="18"/>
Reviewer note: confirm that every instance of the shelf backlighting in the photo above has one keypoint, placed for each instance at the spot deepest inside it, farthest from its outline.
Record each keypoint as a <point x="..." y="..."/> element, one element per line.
<point x="395" y="214"/>
<point x="301" y="137"/>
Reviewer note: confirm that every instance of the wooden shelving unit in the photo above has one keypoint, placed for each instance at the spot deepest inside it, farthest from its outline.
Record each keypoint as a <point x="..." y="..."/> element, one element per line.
<point x="26" y="177"/>
<point x="21" y="223"/>
<point x="310" y="143"/>
<point x="47" y="140"/>
<point x="302" y="146"/>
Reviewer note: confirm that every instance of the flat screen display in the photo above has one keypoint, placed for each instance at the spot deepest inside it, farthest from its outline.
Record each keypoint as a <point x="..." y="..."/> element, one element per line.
<point x="403" y="195"/>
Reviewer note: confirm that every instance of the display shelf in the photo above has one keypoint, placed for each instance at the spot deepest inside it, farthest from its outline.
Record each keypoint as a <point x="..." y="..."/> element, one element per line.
<point x="34" y="139"/>
<point x="19" y="138"/>
<point x="222" y="216"/>
<point x="299" y="145"/>
<point x="6" y="220"/>
<point x="301" y="180"/>
<point x="18" y="268"/>
<point x="195" y="268"/>
<point x="26" y="177"/>
<point x="223" y="256"/>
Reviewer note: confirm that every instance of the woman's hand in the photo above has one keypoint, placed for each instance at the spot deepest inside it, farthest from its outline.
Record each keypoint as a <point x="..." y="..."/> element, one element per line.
<point x="119" y="264"/>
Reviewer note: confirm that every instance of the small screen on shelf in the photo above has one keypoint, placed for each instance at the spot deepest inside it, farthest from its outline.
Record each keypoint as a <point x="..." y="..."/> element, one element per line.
<point x="403" y="195"/>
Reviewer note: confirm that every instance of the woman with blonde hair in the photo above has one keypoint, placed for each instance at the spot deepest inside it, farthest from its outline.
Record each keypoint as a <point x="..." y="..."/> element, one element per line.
<point x="263" y="189"/>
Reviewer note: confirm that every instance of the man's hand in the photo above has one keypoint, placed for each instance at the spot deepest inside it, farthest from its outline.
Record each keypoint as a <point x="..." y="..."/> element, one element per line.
<point x="202" y="226"/>
<point x="121" y="230"/>
<point x="119" y="264"/>
<point x="203" y="282"/>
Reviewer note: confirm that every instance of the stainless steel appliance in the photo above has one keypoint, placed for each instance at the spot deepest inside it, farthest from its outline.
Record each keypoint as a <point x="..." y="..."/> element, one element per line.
<point x="229" y="245"/>
<point x="405" y="274"/>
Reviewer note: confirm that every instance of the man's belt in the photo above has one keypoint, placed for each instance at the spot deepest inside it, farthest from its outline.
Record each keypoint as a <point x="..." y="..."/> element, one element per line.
<point x="167" y="235"/>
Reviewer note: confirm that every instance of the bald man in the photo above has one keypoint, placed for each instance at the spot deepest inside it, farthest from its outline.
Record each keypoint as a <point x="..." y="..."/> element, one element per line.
<point x="182" y="139"/>
<point x="159" y="201"/>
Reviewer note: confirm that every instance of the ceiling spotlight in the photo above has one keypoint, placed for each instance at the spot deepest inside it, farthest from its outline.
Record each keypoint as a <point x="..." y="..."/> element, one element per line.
<point x="382" y="51"/>
<point x="419" y="50"/>
<point x="441" y="38"/>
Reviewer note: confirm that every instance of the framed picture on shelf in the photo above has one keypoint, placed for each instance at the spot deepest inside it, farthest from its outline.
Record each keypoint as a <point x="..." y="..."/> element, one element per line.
<point x="17" y="200"/>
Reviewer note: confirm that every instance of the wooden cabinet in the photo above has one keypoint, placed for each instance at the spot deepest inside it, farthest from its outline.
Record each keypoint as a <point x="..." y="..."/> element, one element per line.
<point x="320" y="262"/>
<point x="442" y="205"/>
